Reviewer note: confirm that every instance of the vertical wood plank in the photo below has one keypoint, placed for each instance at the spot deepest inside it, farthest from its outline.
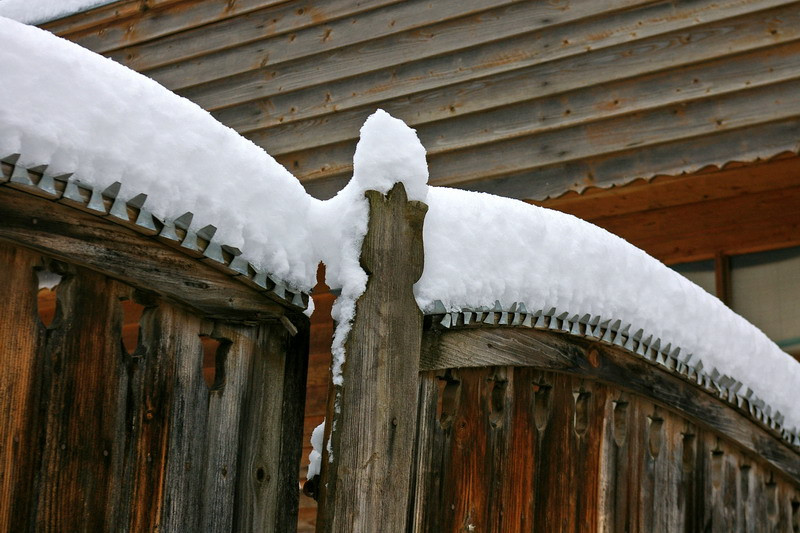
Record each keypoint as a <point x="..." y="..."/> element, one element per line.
<point x="267" y="493"/>
<point x="427" y="472"/>
<point x="223" y="426"/>
<point x="151" y="401"/>
<point x="375" y="425"/>
<point x="176" y="332"/>
<point x="83" y="378"/>
<point x="20" y="334"/>
<point x="440" y="396"/>
<point x="518" y="486"/>
<point x="469" y="456"/>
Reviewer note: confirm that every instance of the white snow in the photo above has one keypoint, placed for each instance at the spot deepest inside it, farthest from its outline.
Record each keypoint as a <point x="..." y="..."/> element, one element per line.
<point x="48" y="280"/>
<point x="481" y="248"/>
<point x="65" y="106"/>
<point x="387" y="147"/>
<point x="315" y="455"/>
<point x="38" y="11"/>
<point x="78" y="112"/>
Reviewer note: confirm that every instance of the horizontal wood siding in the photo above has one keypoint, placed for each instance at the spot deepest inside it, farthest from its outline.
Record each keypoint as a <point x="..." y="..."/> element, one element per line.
<point x="523" y="99"/>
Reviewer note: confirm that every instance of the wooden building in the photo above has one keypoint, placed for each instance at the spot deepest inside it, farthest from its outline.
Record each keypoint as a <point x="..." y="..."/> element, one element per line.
<point x="675" y="125"/>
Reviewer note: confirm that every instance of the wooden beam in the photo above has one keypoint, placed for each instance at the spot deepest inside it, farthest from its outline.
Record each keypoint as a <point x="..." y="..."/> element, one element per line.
<point x="463" y="348"/>
<point x="661" y="192"/>
<point x="366" y="487"/>
<point x="744" y="224"/>
<point x="97" y="243"/>
<point x="733" y="211"/>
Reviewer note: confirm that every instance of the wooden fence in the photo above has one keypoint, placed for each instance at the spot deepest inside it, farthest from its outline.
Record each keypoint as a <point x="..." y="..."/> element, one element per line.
<point x="94" y="438"/>
<point x="442" y="423"/>
<point x="518" y="422"/>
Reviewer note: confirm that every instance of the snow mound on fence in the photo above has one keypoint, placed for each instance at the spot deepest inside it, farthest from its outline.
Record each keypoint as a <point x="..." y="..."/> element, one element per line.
<point x="388" y="152"/>
<point x="76" y="111"/>
<point x="481" y="248"/>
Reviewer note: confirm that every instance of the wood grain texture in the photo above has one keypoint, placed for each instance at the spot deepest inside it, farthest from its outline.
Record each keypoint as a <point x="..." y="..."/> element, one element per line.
<point x="459" y="50"/>
<point x="363" y="23"/>
<point x="264" y="33"/>
<point x="680" y="156"/>
<point x="21" y="331"/>
<point x="740" y="209"/>
<point x="92" y="241"/>
<point x="550" y="351"/>
<point x="525" y="151"/>
<point x="478" y="80"/>
<point x="102" y="439"/>
<point x="744" y="224"/>
<point x="662" y="192"/>
<point x="578" y="455"/>
<point x="446" y="119"/>
<point x="375" y="420"/>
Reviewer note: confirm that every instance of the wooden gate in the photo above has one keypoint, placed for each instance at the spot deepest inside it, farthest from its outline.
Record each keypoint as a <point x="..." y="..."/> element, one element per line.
<point x="97" y="437"/>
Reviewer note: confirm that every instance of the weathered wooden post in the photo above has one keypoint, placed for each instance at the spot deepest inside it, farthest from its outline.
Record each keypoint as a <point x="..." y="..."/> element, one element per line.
<point x="366" y="485"/>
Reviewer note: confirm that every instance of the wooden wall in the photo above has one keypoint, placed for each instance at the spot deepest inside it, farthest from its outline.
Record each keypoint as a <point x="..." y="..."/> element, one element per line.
<point x="520" y="98"/>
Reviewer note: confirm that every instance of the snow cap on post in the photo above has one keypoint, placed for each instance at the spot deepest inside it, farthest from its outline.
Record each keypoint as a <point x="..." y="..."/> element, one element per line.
<point x="389" y="152"/>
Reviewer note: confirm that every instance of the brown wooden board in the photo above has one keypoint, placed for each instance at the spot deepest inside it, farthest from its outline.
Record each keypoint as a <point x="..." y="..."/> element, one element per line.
<point x="510" y="38"/>
<point x="364" y="22"/>
<point x="610" y="365"/>
<point x="366" y="486"/>
<point x="103" y="439"/>
<point x="92" y="241"/>
<point x="751" y="143"/>
<point x="20" y="332"/>
<point x="742" y="224"/>
<point x="476" y="113"/>
<point x="540" y="147"/>
<point x="567" y="453"/>
<point x="445" y="86"/>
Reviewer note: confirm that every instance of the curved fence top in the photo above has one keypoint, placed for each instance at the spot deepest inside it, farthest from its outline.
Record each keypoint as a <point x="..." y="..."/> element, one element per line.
<point x="122" y="134"/>
<point x="124" y="137"/>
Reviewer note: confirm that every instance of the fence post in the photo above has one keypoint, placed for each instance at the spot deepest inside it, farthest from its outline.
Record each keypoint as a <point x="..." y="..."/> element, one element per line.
<point x="365" y="487"/>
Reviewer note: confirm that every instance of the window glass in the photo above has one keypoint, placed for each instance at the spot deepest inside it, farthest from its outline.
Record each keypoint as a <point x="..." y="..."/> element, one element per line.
<point x="700" y="272"/>
<point x="765" y="289"/>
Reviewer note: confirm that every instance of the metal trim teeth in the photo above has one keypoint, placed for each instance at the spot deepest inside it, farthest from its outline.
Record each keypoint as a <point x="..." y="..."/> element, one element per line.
<point x="670" y="357"/>
<point x="38" y="180"/>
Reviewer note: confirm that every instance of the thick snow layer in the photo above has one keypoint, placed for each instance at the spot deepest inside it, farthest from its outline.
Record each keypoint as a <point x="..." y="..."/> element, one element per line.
<point x="481" y="248"/>
<point x="65" y="106"/>
<point x="388" y="152"/>
<point x="38" y="11"/>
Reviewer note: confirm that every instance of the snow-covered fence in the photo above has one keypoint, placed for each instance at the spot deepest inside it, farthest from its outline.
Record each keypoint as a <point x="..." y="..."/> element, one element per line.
<point x="94" y="437"/>
<point x="534" y="420"/>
